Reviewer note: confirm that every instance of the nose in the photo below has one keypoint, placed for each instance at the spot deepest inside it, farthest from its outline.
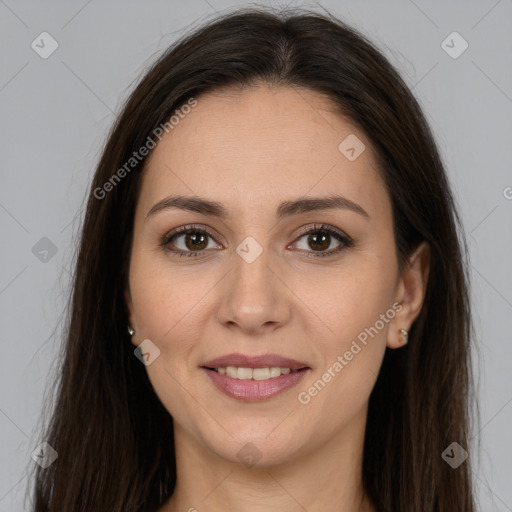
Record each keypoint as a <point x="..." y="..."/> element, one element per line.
<point x="254" y="296"/>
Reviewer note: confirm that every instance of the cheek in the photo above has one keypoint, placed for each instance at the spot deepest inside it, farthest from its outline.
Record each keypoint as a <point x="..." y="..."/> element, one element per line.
<point x="352" y="299"/>
<point x="357" y="309"/>
<point x="172" y="307"/>
<point x="164" y="296"/>
<point x="169" y="307"/>
<point x="351" y="356"/>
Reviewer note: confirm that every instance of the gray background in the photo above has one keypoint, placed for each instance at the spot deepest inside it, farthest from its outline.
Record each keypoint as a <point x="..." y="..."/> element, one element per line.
<point x="54" y="116"/>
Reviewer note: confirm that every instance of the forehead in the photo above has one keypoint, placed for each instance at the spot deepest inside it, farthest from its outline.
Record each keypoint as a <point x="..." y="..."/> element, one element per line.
<point x="244" y="147"/>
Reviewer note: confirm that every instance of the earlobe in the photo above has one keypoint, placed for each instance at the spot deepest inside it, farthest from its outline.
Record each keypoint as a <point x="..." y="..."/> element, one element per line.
<point x="410" y="294"/>
<point x="397" y="337"/>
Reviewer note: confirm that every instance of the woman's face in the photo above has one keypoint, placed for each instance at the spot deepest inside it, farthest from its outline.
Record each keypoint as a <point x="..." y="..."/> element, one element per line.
<point x="255" y="284"/>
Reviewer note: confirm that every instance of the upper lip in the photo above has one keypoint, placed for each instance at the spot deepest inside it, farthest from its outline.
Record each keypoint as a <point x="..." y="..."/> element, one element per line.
<point x="261" y="361"/>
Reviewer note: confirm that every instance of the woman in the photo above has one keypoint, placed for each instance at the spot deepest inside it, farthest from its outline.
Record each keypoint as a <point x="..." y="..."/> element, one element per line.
<point x="270" y="307"/>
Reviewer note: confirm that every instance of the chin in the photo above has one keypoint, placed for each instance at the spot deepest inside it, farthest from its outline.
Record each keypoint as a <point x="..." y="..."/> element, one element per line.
<point x="252" y="449"/>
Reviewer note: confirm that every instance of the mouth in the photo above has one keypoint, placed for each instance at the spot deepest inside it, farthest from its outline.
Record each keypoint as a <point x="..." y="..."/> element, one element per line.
<point x="262" y="373"/>
<point x="254" y="378"/>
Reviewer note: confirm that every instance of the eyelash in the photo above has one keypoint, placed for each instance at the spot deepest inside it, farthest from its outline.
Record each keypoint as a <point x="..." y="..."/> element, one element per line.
<point x="346" y="241"/>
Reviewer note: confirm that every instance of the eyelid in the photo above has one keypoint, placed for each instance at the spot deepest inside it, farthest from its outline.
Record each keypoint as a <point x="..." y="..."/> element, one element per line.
<point x="190" y="227"/>
<point x="324" y="227"/>
<point x="304" y="231"/>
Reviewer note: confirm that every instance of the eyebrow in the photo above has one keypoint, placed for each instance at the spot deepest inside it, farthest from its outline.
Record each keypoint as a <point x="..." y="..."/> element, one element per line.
<point x="285" y="209"/>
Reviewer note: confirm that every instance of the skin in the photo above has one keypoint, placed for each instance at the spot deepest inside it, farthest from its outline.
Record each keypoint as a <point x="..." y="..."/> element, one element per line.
<point x="250" y="150"/>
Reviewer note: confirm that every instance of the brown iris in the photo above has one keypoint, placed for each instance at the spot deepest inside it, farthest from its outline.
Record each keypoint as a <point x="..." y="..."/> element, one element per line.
<point x="197" y="241"/>
<point x="324" y="244"/>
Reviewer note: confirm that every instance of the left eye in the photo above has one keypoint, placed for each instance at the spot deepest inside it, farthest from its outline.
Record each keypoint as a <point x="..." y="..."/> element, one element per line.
<point x="319" y="238"/>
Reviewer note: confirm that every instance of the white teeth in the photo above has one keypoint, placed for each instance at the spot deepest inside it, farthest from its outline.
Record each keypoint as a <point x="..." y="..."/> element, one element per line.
<point x="259" y="373"/>
<point x="232" y="372"/>
<point x="275" y="372"/>
<point x="241" y="373"/>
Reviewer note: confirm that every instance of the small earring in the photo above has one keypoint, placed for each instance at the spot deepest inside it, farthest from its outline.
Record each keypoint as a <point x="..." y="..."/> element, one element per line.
<point x="131" y="332"/>
<point x="405" y="334"/>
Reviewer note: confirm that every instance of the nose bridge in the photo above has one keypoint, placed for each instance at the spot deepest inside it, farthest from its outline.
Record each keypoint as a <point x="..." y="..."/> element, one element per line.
<point x="251" y="268"/>
<point x="253" y="296"/>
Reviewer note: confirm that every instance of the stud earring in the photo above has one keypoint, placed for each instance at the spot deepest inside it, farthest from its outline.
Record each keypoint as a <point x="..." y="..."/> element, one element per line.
<point x="131" y="332"/>
<point x="405" y="334"/>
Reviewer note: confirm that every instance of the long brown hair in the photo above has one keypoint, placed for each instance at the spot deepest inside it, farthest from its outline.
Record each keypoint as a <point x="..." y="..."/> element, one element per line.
<point x="113" y="436"/>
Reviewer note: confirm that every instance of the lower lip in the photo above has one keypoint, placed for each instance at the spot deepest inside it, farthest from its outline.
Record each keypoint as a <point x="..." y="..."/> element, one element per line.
<point x="255" y="390"/>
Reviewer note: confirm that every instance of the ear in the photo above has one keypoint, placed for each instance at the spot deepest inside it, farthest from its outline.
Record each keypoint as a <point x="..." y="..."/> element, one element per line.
<point x="410" y="293"/>
<point x="131" y="314"/>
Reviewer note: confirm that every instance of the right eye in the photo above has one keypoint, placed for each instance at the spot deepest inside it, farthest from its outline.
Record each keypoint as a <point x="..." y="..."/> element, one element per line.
<point x="195" y="241"/>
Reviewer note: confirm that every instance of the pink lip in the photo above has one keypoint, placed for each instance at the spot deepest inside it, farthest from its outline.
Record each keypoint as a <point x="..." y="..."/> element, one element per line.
<point x="255" y="390"/>
<point x="254" y="362"/>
